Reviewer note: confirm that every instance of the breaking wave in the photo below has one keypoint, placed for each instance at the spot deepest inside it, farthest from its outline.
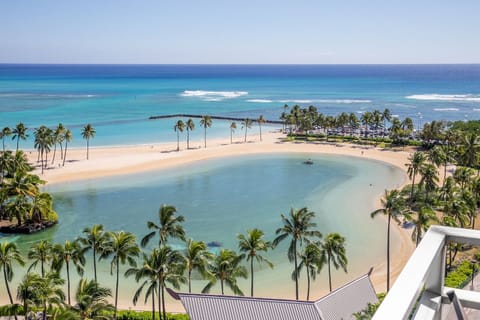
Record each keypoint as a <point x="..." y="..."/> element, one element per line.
<point x="445" y="109"/>
<point x="260" y="100"/>
<point x="445" y="97"/>
<point x="213" y="95"/>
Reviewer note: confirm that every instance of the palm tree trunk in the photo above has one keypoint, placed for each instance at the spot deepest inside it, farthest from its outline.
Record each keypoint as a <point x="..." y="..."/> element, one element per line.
<point x="388" y="252"/>
<point x="251" y="280"/>
<point x="95" y="264"/>
<point x="116" y="289"/>
<point x="43" y="270"/>
<point x="188" y="139"/>
<point x="61" y="150"/>
<point x="54" y="152"/>
<point x="6" y="284"/>
<point x="159" y="301"/>
<point x="87" y="147"/>
<point x="41" y="156"/>
<point x="260" y="131"/>
<point x="189" y="281"/>
<point x="308" y="285"/>
<point x="153" y="304"/>
<point x="329" y="274"/>
<point x="205" y="136"/>
<point x="163" y="304"/>
<point x="231" y="137"/>
<point x="221" y="285"/>
<point x="413" y="183"/>
<point x="68" y="282"/>
<point x="18" y="140"/>
<point x="296" y="268"/>
<point x="178" y="141"/>
<point x="245" y="134"/>
<point x="65" y="156"/>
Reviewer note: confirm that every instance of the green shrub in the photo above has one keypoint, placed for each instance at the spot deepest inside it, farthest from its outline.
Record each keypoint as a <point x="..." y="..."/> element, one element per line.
<point x="459" y="277"/>
<point x="145" y="315"/>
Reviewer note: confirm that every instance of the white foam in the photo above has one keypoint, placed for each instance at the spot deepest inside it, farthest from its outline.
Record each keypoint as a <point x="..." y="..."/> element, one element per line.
<point x="445" y="97"/>
<point x="445" y="109"/>
<point x="213" y="95"/>
<point x="475" y="109"/>
<point x="260" y="100"/>
<point x="338" y="101"/>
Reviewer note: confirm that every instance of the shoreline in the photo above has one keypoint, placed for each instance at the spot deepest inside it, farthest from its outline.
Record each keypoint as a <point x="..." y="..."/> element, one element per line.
<point x="118" y="160"/>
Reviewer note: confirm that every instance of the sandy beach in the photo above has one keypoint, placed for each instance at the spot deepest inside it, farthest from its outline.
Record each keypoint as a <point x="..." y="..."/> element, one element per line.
<point x="112" y="161"/>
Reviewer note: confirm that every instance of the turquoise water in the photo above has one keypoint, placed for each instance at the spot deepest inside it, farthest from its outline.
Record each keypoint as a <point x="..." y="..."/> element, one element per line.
<point x="224" y="197"/>
<point x="118" y="99"/>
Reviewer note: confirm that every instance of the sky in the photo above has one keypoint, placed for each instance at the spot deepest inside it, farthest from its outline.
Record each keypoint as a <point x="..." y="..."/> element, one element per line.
<point x="239" y="32"/>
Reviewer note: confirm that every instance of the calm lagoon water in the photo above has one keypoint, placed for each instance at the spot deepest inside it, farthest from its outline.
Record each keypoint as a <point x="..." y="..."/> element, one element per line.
<point x="224" y="197"/>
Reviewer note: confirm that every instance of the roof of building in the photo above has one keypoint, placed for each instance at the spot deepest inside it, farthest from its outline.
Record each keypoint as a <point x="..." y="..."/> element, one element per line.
<point x="339" y="304"/>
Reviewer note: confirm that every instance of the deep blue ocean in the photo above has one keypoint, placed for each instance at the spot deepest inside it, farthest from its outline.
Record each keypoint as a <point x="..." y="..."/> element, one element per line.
<point x="119" y="99"/>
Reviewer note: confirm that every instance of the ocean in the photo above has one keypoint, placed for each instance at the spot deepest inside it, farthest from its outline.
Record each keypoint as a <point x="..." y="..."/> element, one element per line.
<point x="119" y="99"/>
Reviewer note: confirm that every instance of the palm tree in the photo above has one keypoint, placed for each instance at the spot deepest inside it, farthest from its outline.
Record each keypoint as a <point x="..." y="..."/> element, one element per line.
<point x="179" y="127"/>
<point x="28" y="292"/>
<point x="421" y="223"/>
<point x="49" y="290"/>
<point x="58" y="136"/>
<point x="226" y="268"/>
<point x="43" y="142"/>
<point x="470" y="150"/>
<point x="260" y="121"/>
<point x="417" y="160"/>
<point x="393" y="206"/>
<point x="298" y="226"/>
<point x="92" y="300"/>
<point x="198" y="257"/>
<point x="333" y="252"/>
<point x="66" y="253"/>
<point x="246" y="124"/>
<point x="40" y="252"/>
<point x="95" y="239"/>
<point x="8" y="255"/>
<point x="233" y="126"/>
<point x="19" y="132"/>
<point x="310" y="258"/>
<point x="6" y="132"/>
<point x="429" y="179"/>
<point x="386" y="116"/>
<point x="190" y="126"/>
<point x="67" y="137"/>
<point x="170" y="226"/>
<point x="87" y="133"/>
<point x="122" y="247"/>
<point x="206" y="122"/>
<point x="251" y="244"/>
<point x="147" y="271"/>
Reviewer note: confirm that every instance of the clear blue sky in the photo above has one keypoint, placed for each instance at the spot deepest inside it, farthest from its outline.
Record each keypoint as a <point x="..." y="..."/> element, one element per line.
<point x="242" y="31"/>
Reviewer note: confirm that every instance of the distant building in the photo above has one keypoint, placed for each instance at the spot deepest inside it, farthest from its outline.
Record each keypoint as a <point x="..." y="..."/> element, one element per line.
<point x="341" y="303"/>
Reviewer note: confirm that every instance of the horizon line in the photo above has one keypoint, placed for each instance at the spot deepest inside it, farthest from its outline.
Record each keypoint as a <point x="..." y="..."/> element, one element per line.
<point x="239" y="64"/>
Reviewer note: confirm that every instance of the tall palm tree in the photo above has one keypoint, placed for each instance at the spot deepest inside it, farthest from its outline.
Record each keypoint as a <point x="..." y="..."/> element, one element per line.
<point x="68" y="136"/>
<point x="310" y="258"/>
<point x="393" y="205"/>
<point x="386" y="116"/>
<point x="49" y="290"/>
<point x="300" y="228"/>
<point x="333" y="252"/>
<point x="28" y="293"/>
<point x="8" y="255"/>
<point x="206" y="122"/>
<point x="470" y="150"/>
<point x="66" y="253"/>
<point x="43" y="142"/>
<point x="429" y="179"/>
<point x="421" y="221"/>
<point x="40" y="252"/>
<point x="87" y="133"/>
<point x="122" y="248"/>
<point x="251" y="244"/>
<point x="92" y="300"/>
<point x="417" y="160"/>
<point x="246" y="124"/>
<point x="233" y="126"/>
<point x="170" y="226"/>
<point x="197" y="257"/>
<point x="95" y="239"/>
<point x="179" y="127"/>
<point x="6" y="132"/>
<point x="148" y="272"/>
<point x="260" y="120"/>
<point x="226" y="268"/>
<point x="190" y="126"/>
<point x="19" y="132"/>
<point x="58" y="136"/>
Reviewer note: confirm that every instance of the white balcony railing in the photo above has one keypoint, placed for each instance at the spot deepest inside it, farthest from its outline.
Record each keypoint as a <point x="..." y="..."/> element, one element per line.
<point x="422" y="280"/>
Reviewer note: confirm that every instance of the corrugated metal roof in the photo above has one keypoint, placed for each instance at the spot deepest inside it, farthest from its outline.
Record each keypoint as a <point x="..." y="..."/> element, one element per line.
<point x="348" y="299"/>
<point x="339" y="304"/>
